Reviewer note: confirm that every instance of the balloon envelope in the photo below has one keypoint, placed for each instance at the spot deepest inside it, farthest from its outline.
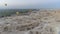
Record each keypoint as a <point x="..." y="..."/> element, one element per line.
<point x="5" y="4"/>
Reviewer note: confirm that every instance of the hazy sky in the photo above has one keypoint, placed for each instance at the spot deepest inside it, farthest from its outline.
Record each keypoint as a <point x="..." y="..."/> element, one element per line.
<point x="30" y="4"/>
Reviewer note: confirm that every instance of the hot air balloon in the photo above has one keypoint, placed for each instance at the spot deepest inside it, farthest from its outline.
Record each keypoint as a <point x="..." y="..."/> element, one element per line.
<point x="5" y="4"/>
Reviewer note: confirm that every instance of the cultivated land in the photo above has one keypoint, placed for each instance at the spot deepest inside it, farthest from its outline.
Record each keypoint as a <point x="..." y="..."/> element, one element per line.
<point x="38" y="22"/>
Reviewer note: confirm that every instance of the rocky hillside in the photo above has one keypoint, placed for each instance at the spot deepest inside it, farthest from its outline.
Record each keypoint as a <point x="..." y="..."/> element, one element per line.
<point x="38" y="22"/>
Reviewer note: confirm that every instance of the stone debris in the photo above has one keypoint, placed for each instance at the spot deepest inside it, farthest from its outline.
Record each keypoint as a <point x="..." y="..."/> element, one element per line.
<point x="38" y="22"/>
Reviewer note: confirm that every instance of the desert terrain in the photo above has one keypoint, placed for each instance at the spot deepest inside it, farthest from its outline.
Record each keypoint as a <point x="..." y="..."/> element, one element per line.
<point x="38" y="22"/>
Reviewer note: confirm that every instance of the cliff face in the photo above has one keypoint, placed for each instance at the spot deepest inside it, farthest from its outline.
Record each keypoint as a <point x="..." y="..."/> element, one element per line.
<point x="39" y="22"/>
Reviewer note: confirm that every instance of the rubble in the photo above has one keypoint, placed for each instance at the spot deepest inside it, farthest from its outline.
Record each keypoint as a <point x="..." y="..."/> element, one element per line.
<point x="39" y="22"/>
